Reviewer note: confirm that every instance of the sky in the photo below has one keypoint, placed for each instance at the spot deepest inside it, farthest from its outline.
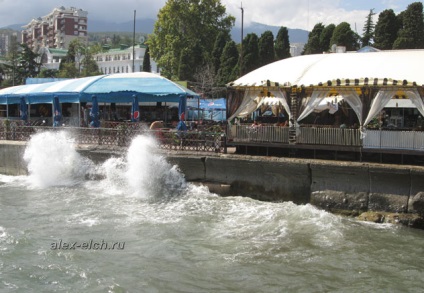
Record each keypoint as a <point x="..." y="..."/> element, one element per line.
<point x="293" y="14"/>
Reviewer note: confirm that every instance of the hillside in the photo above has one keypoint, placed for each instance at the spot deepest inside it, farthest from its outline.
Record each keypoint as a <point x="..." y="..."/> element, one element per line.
<point x="145" y="26"/>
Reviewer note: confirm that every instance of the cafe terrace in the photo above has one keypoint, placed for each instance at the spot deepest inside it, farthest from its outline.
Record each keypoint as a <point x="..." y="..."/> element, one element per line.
<point x="357" y="102"/>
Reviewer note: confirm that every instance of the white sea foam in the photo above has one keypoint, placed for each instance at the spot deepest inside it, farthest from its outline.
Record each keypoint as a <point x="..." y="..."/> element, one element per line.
<point x="53" y="161"/>
<point x="148" y="174"/>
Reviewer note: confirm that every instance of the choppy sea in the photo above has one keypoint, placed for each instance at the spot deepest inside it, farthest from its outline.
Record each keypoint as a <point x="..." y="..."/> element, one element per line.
<point x="143" y="228"/>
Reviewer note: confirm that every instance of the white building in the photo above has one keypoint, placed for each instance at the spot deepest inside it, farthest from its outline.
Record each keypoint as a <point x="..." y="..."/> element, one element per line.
<point x="296" y="49"/>
<point x="123" y="60"/>
<point x="109" y="61"/>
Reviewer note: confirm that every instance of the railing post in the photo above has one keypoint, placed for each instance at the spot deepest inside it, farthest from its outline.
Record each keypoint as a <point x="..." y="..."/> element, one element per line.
<point x="225" y="143"/>
<point x="293" y="109"/>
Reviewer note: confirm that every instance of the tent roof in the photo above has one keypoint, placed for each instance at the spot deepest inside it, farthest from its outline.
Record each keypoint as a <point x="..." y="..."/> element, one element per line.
<point x="349" y="68"/>
<point x="117" y="88"/>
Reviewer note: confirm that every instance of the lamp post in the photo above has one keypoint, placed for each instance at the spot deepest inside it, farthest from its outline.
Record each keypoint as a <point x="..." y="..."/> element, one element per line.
<point x="241" y="44"/>
<point x="133" y="64"/>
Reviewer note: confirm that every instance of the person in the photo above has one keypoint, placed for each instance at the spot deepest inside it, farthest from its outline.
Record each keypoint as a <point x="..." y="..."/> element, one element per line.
<point x="256" y="124"/>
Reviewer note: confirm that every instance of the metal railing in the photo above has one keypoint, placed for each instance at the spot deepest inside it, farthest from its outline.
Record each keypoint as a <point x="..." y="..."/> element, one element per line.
<point x="377" y="139"/>
<point x="122" y="135"/>
<point x="329" y="136"/>
<point x="394" y="139"/>
<point x="248" y="133"/>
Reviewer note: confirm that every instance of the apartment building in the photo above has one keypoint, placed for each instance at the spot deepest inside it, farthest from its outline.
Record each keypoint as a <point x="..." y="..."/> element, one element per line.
<point x="57" y="29"/>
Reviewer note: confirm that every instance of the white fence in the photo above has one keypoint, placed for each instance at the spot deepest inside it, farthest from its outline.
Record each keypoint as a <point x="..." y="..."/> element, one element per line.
<point x="329" y="136"/>
<point x="247" y="133"/>
<point x="402" y="140"/>
<point x="377" y="139"/>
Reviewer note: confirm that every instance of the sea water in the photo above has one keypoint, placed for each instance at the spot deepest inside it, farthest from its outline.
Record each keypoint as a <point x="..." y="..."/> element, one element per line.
<point x="143" y="228"/>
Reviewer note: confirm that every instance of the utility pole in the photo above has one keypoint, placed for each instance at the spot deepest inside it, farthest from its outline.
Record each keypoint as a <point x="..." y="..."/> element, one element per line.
<point x="241" y="44"/>
<point x="133" y="65"/>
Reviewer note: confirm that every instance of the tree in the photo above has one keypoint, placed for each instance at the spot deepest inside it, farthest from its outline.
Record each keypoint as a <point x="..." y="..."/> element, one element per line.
<point x="180" y="24"/>
<point x="266" y="48"/>
<point x="313" y="46"/>
<point x="282" y="44"/>
<point x="10" y="67"/>
<point x="386" y="30"/>
<point x="206" y="83"/>
<point x="221" y="40"/>
<point x="89" y="65"/>
<point x="147" y="67"/>
<point x="250" y="53"/>
<point x="79" y="60"/>
<point x="369" y="26"/>
<point x="344" y="36"/>
<point x="325" y="38"/>
<point x="411" y="36"/>
<point x="185" y="65"/>
<point x="27" y="65"/>
<point x="190" y="61"/>
<point x="48" y="73"/>
<point x="229" y="60"/>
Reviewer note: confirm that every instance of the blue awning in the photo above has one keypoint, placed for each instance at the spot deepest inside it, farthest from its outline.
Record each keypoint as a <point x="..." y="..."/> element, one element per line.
<point x="113" y="88"/>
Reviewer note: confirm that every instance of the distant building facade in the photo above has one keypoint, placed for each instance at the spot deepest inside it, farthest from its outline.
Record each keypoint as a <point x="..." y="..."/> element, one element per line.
<point x="50" y="57"/>
<point x="57" y="29"/>
<point x="121" y="60"/>
<point x="109" y="60"/>
<point x="296" y="49"/>
<point x="50" y="36"/>
<point x="5" y="40"/>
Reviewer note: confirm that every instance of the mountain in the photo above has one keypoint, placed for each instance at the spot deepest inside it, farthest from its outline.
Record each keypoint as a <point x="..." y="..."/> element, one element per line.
<point x="295" y="35"/>
<point x="141" y="26"/>
<point x="146" y="26"/>
<point x="14" y="27"/>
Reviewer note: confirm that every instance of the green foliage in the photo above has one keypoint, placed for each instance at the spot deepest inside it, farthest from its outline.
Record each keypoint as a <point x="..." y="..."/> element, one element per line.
<point x="191" y="60"/>
<point x="184" y="70"/>
<point x="319" y="40"/>
<point x="221" y="40"/>
<point x="266" y="48"/>
<point x="386" y="30"/>
<point x="369" y="26"/>
<point x="147" y="67"/>
<point x="48" y="73"/>
<point x="182" y="23"/>
<point x="250" y="53"/>
<point x="229" y="60"/>
<point x="325" y="38"/>
<point x="282" y="44"/>
<point x="79" y="61"/>
<point x="313" y="46"/>
<point x="411" y="36"/>
<point x="68" y="70"/>
<point x="344" y="36"/>
<point x="26" y="65"/>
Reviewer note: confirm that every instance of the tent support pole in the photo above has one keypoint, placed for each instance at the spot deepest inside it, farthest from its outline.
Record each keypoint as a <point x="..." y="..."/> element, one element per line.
<point x="79" y="114"/>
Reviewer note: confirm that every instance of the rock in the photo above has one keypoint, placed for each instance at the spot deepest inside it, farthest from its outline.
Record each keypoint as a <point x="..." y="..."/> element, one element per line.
<point x="405" y="219"/>
<point x="416" y="204"/>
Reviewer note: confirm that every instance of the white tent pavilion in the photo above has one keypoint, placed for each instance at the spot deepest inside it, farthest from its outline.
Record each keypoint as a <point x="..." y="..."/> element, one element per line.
<point x="345" y="74"/>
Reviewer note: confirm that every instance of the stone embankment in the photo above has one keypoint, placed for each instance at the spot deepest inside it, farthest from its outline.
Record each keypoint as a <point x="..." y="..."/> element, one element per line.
<point x="373" y="192"/>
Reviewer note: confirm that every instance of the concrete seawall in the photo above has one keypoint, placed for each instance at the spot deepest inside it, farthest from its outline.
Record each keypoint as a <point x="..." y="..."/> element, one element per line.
<point x="331" y="185"/>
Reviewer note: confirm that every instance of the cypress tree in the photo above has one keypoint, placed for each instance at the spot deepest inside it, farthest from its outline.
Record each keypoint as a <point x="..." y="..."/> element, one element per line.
<point x="266" y="48"/>
<point x="228" y="70"/>
<point x="147" y="67"/>
<point x="411" y="36"/>
<point x="386" y="30"/>
<point x="282" y="44"/>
